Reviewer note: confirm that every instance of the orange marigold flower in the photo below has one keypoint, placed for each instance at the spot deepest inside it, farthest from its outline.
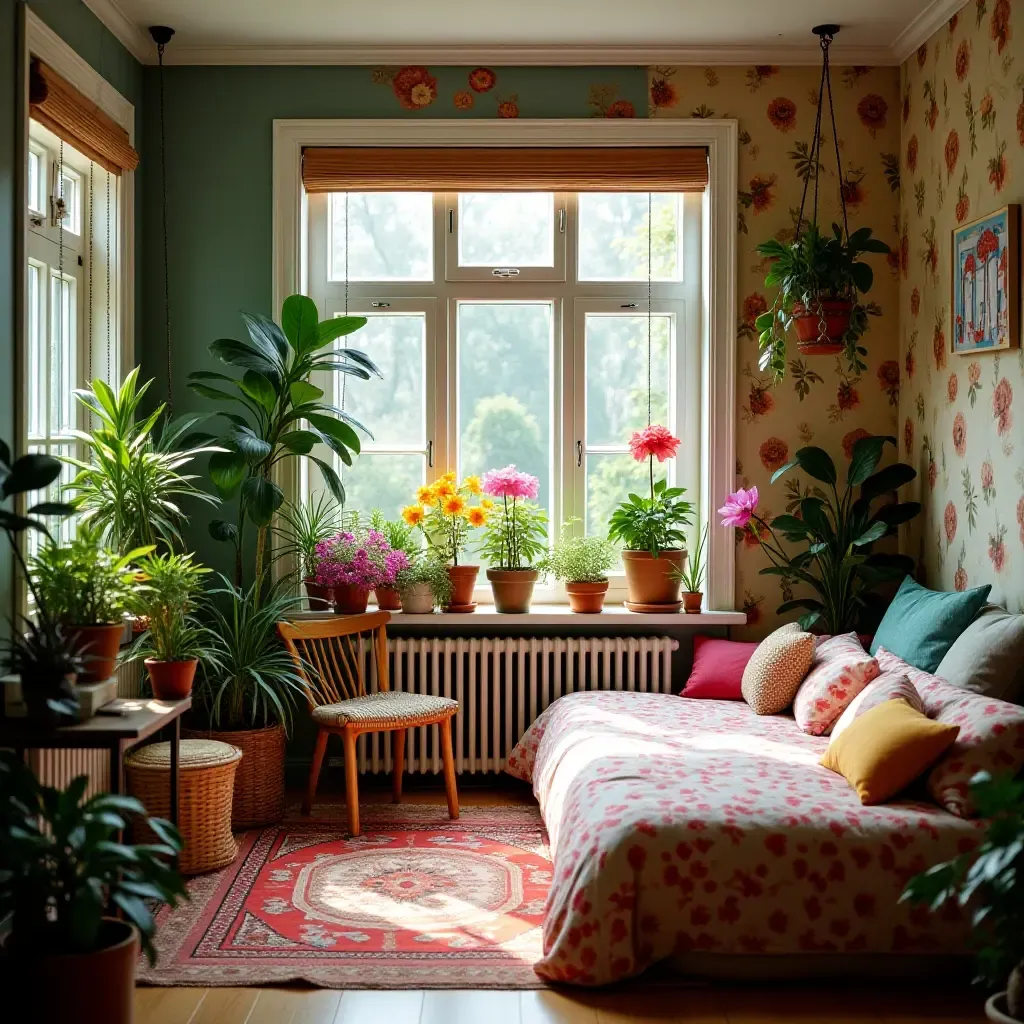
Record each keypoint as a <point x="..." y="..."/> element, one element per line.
<point x="443" y="489"/>
<point x="425" y="495"/>
<point x="486" y="503"/>
<point x="472" y="484"/>
<point x="413" y="514"/>
<point x="476" y="516"/>
<point x="453" y="505"/>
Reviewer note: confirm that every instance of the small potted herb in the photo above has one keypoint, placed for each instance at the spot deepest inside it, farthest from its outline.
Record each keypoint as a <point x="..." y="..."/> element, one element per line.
<point x="353" y="564"/>
<point x="820" y="278"/>
<point x="651" y="529"/>
<point x="306" y="525"/>
<point x="175" y="639"/>
<point x="88" y="588"/>
<point x="691" y="577"/>
<point x="423" y="585"/>
<point x="582" y="564"/>
<point x="399" y="534"/>
<point x="63" y="867"/>
<point x="515" y="535"/>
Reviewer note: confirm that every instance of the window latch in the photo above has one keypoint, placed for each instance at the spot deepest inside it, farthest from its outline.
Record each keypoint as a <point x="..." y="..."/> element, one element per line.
<point x="579" y="454"/>
<point x="505" y="272"/>
<point x="381" y="305"/>
<point x="561" y="222"/>
<point x="430" y="454"/>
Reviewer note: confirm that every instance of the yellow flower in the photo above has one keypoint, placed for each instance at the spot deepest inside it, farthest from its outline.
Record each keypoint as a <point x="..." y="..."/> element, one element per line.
<point x="472" y="484"/>
<point x="443" y="489"/>
<point x="449" y="477"/>
<point x="476" y="516"/>
<point x="487" y="504"/>
<point x="453" y="505"/>
<point x="425" y="495"/>
<point x="413" y="514"/>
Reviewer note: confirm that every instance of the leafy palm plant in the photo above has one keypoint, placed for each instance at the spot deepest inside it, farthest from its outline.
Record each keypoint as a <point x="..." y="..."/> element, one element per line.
<point x="307" y="524"/>
<point x="130" y="485"/>
<point x="275" y="412"/>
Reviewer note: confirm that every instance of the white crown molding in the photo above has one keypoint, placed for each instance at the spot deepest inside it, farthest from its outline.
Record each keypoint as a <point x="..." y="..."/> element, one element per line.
<point x="924" y="26"/>
<point x="134" y="39"/>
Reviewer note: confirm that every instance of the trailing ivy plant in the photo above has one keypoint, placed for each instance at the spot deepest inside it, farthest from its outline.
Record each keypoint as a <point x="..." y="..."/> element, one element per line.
<point x="275" y="412"/>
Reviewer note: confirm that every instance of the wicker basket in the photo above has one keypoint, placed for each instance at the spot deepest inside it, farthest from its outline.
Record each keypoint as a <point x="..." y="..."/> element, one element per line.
<point x="259" y="784"/>
<point x="204" y="806"/>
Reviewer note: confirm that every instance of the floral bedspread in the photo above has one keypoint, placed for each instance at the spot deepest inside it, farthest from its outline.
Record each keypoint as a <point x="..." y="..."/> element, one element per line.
<point x="681" y="825"/>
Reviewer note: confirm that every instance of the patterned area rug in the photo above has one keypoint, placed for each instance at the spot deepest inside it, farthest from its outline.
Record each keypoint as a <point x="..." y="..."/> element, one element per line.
<point x="417" y="901"/>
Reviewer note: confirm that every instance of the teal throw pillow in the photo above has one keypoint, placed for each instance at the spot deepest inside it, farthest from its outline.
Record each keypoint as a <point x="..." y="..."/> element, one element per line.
<point x="921" y="624"/>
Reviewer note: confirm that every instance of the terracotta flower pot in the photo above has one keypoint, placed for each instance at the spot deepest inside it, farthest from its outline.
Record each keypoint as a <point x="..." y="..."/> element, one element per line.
<point x="463" y="579"/>
<point x="692" y="600"/>
<point x="649" y="581"/>
<point x="388" y="599"/>
<point x="418" y="599"/>
<point x="587" y="598"/>
<point x="350" y="599"/>
<point x="321" y="598"/>
<point x="812" y="340"/>
<point x="87" y="988"/>
<point x="512" y="589"/>
<point x="98" y="646"/>
<point x="171" y="680"/>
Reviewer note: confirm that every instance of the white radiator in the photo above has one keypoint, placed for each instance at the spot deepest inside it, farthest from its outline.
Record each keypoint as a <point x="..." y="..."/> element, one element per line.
<point x="502" y="684"/>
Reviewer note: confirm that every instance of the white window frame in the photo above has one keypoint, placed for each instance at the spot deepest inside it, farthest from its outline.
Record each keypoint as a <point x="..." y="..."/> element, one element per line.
<point x="717" y="406"/>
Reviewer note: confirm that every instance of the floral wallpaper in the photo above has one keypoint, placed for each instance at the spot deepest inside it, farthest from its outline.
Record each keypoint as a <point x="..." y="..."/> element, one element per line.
<point x="962" y="156"/>
<point x="820" y="401"/>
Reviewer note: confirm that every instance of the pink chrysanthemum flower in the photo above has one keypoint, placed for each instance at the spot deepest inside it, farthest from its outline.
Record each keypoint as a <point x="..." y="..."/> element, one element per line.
<point x="510" y="483"/>
<point x="653" y="441"/>
<point x="739" y="508"/>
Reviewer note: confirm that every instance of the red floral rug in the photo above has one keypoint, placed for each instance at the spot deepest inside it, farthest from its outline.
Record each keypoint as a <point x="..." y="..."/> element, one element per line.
<point x="416" y="901"/>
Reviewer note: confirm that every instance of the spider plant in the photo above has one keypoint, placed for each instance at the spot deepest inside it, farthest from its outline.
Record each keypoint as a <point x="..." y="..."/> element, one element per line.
<point x="691" y="575"/>
<point x="306" y="525"/>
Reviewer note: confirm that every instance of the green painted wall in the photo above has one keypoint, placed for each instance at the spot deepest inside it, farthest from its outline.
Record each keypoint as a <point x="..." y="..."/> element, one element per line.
<point x="83" y="31"/>
<point x="219" y="124"/>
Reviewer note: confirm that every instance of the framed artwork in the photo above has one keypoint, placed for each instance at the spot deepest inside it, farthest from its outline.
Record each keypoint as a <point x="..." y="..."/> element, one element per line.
<point x="986" y="283"/>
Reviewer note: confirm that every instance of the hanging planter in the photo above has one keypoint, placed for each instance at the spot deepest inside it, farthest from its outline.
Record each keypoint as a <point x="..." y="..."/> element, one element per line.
<point x="819" y="276"/>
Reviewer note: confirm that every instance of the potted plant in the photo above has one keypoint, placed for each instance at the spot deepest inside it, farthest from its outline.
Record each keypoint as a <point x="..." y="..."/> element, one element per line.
<point x="691" y="577"/>
<point x="63" y="866"/>
<point x="820" y="278"/>
<point x="399" y="534"/>
<point x="840" y="532"/>
<point x="88" y="588"/>
<point x="650" y="529"/>
<point x="423" y="585"/>
<point x="582" y="564"/>
<point x="988" y="881"/>
<point x="445" y="514"/>
<point x="515" y="535"/>
<point x="175" y="639"/>
<point x="246" y="691"/>
<point x="353" y="564"/>
<point x="306" y="525"/>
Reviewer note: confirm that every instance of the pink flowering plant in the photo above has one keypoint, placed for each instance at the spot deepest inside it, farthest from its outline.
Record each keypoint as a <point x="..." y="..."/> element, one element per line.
<point x="839" y="530"/>
<point x="363" y="560"/>
<point x="516" y="530"/>
<point x="654" y="523"/>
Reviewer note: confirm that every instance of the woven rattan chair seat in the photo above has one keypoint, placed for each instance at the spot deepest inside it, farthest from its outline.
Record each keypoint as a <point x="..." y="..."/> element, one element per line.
<point x="391" y="706"/>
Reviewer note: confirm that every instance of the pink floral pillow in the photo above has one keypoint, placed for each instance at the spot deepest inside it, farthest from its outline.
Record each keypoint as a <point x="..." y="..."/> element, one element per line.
<point x="888" y="686"/>
<point x="933" y="690"/>
<point x="840" y="670"/>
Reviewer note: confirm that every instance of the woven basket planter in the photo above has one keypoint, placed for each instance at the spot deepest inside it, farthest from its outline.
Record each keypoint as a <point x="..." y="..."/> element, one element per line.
<point x="259" y="784"/>
<point x="204" y="807"/>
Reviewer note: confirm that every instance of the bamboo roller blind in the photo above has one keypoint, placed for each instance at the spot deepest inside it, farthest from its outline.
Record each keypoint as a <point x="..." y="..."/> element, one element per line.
<point x="453" y="169"/>
<point x="78" y="121"/>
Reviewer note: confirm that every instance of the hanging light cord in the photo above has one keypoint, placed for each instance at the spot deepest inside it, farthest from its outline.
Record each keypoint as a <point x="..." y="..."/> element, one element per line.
<point x="111" y="375"/>
<point x="344" y="376"/>
<point x="60" y="252"/>
<point x="163" y="191"/>
<point x="650" y="274"/>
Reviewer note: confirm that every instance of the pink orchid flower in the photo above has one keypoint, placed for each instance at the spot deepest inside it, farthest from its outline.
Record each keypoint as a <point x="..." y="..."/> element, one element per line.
<point x="739" y="508"/>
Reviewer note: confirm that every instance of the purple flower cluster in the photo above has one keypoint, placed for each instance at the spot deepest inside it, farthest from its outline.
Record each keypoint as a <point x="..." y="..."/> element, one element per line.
<point x="366" y="561"/>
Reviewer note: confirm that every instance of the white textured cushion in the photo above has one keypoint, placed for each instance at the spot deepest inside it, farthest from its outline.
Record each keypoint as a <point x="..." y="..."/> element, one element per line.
<point x="392" y="705"/>
<point x="776" y="669"/>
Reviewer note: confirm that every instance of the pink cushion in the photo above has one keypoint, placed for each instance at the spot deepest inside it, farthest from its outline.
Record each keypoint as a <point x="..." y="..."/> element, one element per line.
<point x="840" y="670"/>
<point x="933" y="690"/>
<point x="718" y="666"/>
<point x="887" y="686"/>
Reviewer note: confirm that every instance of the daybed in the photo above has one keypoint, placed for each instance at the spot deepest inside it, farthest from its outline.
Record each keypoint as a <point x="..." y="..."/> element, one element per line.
<point x="683" y="826"/>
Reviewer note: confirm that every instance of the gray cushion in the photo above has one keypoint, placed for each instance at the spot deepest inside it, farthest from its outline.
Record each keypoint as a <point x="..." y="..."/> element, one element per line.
<point x="988" y="656"/>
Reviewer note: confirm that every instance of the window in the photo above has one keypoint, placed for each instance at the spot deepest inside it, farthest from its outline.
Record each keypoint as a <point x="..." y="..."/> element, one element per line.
<point x="513" y="327"/>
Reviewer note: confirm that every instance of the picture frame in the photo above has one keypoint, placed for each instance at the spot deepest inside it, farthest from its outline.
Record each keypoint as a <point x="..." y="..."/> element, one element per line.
<point x="985" y="286"/>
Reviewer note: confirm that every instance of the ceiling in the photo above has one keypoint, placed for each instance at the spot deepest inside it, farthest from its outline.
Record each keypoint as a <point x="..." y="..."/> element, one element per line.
<point x="524" y="31"/>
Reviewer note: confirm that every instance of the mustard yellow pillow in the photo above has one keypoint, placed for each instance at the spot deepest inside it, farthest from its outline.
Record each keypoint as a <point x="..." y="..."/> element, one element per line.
<point x="886" y="748"/>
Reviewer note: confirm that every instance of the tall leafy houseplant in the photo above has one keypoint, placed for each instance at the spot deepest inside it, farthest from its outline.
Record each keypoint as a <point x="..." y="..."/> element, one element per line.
<point x="130" y="486"/>
<point x="275" y="412"/>
<point x="839" y="529"/>
<point x="820" y="279"/>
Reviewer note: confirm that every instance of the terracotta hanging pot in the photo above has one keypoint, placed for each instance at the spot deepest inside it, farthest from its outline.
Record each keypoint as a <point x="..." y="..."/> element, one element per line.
<point x="350" y="599"/>
<point x="463" y="579"/>
<point x="587" y="598"/>
<point x="512" y="589"/>
<point x="321" y="598"/>
<point x="649" y="580"/>
<point x="98" y="646"/>
<point x="820" y="332"/>
<point x="171" y="680"/>
<point x="388" y="599"/>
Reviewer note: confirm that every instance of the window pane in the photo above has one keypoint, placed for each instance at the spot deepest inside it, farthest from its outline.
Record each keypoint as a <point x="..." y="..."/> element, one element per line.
<point x="610" y="478"/>
<point x="387" y="482"/>
<point x="34" y="192"/>
<point x="63" y="348"/>
<point x="514" y="228"/>
<point x="616" y="359"/>
<point x="392" y="408"/>
<point x="613" y="236"/>
<point x="72" y="202"/>
<point x="504" y="380"/>
<point x="63" y="529"/>
<point x="36" y="355"/>
<point x="391" y="236"/>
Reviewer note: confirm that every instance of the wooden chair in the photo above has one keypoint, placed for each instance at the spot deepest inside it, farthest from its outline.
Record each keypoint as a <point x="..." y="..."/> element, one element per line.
<point x="328" y="654"/>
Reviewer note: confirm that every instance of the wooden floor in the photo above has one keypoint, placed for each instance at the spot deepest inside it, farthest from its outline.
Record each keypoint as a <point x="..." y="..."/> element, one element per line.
<point x="810" y="1003"/>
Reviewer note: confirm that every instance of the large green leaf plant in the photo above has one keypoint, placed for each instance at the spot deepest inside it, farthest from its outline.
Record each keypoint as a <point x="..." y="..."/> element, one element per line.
<point x="274" y="412"/>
